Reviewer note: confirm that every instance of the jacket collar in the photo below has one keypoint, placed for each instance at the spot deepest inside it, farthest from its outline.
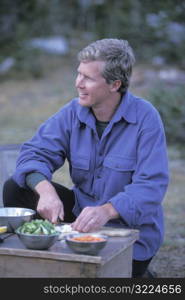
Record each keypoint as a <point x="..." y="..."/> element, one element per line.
<point x="126" y="110"/>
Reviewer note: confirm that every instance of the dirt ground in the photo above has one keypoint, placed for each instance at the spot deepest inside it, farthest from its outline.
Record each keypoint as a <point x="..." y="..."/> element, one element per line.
<point x="170" y="260"/>
<point x="26" y="102"/>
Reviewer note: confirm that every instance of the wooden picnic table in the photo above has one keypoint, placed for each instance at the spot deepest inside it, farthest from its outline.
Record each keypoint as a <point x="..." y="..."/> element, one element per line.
<point x="115" y="260"/>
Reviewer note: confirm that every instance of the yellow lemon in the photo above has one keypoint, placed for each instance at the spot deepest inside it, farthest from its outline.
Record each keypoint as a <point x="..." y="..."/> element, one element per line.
<point x="3" y="229"/>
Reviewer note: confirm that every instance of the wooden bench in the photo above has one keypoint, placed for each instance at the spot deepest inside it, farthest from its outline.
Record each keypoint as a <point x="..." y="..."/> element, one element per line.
<point x="115" y="260"/>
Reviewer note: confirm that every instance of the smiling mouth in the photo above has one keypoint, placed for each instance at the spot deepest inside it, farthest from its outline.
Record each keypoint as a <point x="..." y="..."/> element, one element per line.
<point x="82" y="95"/>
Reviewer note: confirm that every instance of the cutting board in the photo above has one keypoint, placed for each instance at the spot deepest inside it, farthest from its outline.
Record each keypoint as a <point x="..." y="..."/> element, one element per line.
<point x="109" y="231"/>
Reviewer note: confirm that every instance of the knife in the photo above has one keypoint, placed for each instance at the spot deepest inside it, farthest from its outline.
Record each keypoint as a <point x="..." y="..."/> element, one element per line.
<point x="5" y="237"/>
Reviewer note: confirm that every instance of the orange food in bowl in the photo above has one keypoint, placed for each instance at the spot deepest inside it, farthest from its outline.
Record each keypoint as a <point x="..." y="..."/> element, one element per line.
<point x="87" y="238"/>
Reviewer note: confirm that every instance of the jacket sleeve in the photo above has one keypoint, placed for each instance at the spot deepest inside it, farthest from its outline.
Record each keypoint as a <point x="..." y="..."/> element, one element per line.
<point x="141" y="199"/>
<point x="46" y="151"/>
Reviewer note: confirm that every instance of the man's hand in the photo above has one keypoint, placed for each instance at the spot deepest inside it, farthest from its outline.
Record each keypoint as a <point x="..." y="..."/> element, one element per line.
<point x="49" y="206"/>
<point x="93" y="218"/>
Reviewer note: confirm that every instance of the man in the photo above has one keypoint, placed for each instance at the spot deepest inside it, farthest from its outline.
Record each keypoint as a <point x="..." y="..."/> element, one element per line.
<point x="115" y="145"/>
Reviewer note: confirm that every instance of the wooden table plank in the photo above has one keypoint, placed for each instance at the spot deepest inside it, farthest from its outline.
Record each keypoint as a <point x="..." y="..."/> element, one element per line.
<point x="60" y="250"/>
<point x="115" y="260"/>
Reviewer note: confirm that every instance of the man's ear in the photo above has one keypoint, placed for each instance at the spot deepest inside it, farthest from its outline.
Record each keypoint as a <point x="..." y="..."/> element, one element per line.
<point x="115" y="85"/>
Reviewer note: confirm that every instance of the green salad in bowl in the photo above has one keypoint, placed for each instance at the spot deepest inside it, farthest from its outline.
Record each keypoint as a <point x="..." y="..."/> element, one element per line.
<point x="37" y="234"/>
<point x="37" y="227"/>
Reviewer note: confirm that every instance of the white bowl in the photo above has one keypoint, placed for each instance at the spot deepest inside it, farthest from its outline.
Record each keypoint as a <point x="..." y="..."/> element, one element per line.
<point x="13" y="217"/>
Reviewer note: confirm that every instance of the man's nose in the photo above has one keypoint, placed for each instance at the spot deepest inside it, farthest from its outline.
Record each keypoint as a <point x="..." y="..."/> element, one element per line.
<point x="79" y="82"/>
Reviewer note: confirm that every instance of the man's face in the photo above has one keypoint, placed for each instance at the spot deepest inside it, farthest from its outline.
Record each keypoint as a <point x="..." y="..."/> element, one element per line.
<point x="92" y="87"/>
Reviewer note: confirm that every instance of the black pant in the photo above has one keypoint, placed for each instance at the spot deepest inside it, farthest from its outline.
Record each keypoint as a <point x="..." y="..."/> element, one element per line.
<point x="14" y="196"/>
<point x="140" y="268"/>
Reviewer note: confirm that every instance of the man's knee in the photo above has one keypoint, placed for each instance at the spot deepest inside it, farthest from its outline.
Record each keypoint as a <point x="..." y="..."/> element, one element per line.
<point x="10" y="191"/>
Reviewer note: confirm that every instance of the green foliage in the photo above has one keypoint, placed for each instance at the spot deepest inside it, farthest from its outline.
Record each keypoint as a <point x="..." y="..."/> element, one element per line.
<point x="170" y="103"/>
<point x="28" y="63"/>
<point x="128" y="19"/>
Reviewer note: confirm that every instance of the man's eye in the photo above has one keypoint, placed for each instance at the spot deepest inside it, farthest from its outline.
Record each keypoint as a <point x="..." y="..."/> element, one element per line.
<point x="88" y="78"/>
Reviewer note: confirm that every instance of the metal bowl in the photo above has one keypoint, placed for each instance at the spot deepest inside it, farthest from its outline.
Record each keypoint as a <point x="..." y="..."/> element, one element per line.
<point x="37" y="241"/>
<point x="89" y="248"/>
<point x="13" y="217"/>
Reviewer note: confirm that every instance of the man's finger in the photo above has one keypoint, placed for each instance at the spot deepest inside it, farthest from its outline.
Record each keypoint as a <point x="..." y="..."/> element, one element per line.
<point x="54" y="219"/>
<point x="61" y="216"/>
